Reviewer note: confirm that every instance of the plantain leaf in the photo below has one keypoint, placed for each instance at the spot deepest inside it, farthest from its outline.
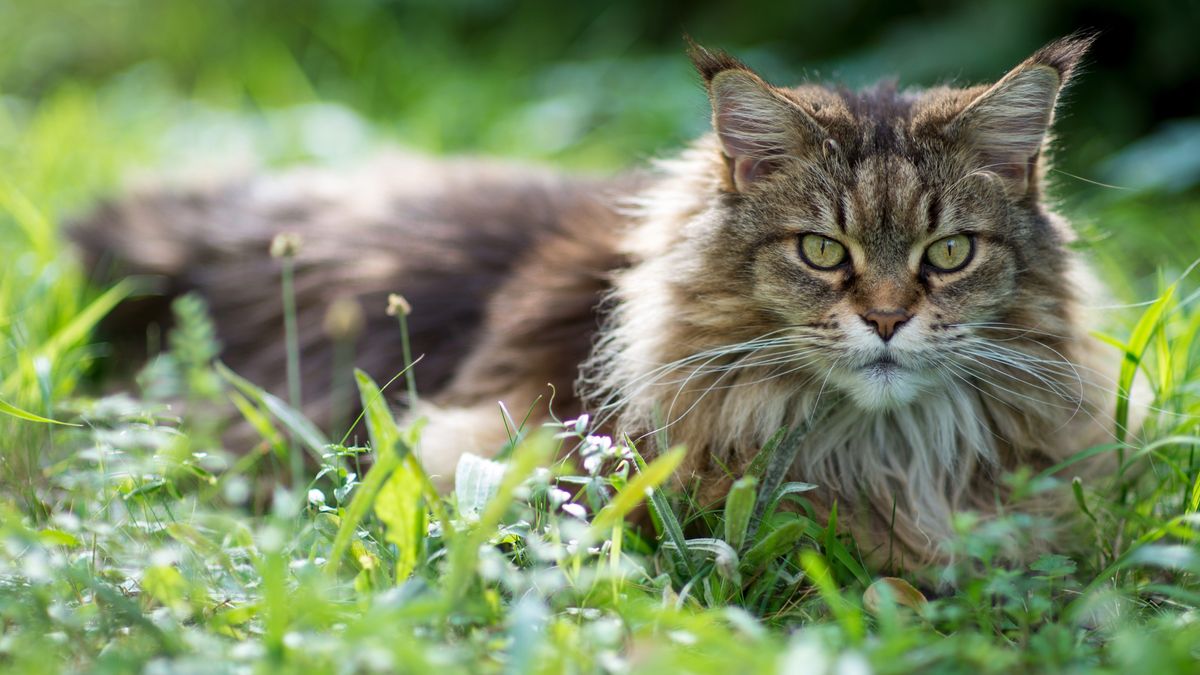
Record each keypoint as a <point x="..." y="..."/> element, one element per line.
<point x="399" y="502"/>
<point x="739" y="507"/>
<point x="777" y="542"/>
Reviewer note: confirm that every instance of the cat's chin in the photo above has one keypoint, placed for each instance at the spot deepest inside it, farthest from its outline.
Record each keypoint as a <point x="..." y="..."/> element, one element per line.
<point x="882" y="387"/>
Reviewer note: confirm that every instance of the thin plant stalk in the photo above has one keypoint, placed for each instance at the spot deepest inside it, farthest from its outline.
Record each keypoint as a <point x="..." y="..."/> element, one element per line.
<point x="285" y="246"/>
<point x="399" y="308"/>
<point x="291" y="336"/>
<point x="410" y="378"/>
<point x="339" y="397"/>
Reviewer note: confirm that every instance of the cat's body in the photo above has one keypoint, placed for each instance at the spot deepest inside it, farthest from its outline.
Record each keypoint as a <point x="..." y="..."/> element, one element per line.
<point x="793" y="266"/>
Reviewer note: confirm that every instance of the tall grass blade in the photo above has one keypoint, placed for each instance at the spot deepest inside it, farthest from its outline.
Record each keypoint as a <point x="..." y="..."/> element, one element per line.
<point x="14" y="411"/>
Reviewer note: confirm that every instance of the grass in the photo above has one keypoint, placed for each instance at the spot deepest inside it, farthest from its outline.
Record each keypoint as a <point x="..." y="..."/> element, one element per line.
<point x="135" y="541"/>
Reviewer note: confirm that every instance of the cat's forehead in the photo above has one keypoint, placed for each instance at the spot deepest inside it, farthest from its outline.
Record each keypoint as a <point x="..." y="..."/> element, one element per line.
<point x="886" y="195"/>
<point x="882" y="119"/>
<point x="890" y="165"/>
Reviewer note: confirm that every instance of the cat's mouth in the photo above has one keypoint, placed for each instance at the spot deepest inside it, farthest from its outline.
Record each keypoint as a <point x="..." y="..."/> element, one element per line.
<point x="881" y="383"/>
<point x="883" y="365"/>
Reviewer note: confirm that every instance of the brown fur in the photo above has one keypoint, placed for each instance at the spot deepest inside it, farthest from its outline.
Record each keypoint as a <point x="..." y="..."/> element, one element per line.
<point x="502" y="264"/>
<point x="506" y="269"/>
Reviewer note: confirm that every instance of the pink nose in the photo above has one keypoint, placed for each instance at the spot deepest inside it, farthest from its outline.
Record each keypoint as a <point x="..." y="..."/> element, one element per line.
<point x="886" y="321"/>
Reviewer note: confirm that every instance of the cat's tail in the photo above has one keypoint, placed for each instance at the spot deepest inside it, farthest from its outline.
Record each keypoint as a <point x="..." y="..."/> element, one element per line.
<point x="448" y="235"/>
<point x="164" y="237"/>
<point x="215" y="240"/>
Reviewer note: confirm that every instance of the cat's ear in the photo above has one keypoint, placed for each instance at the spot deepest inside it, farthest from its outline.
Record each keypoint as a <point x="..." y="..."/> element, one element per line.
<point x="758" y="126"/>
<point x="1007" y="125"/>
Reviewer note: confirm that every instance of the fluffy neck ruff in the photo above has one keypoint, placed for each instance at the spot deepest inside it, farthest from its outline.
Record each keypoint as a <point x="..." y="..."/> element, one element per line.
<point x="659" y="373"/>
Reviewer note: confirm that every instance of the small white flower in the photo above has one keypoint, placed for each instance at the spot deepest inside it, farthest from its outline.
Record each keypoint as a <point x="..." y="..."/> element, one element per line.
<point x="576" y="510"/>
<point x="316" y="497"/>
<point x="592" y="463"/>
<point x="682" y="637"/>
<point x="602" y="444"/>
<point x="558" y="496"/>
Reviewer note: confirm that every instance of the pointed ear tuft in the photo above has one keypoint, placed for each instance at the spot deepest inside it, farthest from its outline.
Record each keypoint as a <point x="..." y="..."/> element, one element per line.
<point x="758" y="126"/>
<point x="709" y="62"/>
<point x="1065" y="54"/>
<point x="1007" y="125"/>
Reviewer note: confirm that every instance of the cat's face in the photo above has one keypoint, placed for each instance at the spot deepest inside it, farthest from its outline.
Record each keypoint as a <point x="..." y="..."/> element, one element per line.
<point x="888" y="235"/>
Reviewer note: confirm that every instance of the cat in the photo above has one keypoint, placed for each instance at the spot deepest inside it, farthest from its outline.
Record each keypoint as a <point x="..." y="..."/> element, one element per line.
<point x="880" y="265"/>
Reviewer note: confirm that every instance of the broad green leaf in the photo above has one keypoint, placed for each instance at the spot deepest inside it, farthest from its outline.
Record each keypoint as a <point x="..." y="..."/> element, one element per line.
<point x="165" y="584"/>
<point x="759" y="464"/>
<point x="399" y="502"/>
<point x="399" y="506"/>
<point x="779" y="541"/>
<point x="537" y="450"/>
<point x="739" y="506"/>
<point x="385" y="463"/>
<point x="1053" y="565"/>
<point x="476" y="481"/>
<point x="53" y="537"/>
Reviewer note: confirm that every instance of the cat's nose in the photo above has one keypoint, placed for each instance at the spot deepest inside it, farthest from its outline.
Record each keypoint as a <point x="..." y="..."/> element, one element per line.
<point x="886" y="321"/>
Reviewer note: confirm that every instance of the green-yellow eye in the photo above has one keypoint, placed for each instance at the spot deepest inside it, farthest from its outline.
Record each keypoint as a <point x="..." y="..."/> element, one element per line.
<point x="950" y="254"/>
<point x="822" y="253"/>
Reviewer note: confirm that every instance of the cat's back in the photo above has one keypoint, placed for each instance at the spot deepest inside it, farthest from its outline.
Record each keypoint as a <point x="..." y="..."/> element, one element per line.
<point x="450" y="235"/>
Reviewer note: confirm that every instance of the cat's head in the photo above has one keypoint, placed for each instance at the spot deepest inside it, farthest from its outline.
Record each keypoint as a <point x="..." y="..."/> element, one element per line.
<point x="887" y="229"/>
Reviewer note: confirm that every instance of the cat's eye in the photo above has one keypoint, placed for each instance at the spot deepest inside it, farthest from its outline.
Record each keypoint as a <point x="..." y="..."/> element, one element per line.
<point x="822" y="253"/>
<point x="950" y="254"/>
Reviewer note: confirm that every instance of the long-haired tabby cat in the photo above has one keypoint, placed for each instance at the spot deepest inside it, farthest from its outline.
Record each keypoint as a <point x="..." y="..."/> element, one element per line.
<point x="884" y="261"/>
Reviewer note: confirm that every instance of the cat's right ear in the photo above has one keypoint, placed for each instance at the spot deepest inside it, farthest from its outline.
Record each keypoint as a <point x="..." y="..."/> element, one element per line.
<point x="758" y="127"/>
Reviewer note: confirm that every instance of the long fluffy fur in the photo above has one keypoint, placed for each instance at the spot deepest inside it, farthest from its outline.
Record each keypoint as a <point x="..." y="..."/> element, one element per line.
<point x="680" y="300"/>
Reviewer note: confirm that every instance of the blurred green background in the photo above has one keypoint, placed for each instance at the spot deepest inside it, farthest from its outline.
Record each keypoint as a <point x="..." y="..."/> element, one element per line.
<point x="92" y="89"/>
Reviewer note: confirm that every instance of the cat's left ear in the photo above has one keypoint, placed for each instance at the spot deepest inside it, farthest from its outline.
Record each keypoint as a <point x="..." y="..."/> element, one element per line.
<point x="758" y="126"/>
<point x="1007" y="125"/>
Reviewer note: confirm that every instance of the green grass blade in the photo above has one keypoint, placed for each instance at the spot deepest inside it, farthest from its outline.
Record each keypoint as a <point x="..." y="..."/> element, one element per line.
<point x="661" y="507"/>
<point x="638" y="489"/>
<point x="1139" y="340"/>
<point x="73" y="333"/>
<point x="305" y="431"/>
<point x="14" y="411"/>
